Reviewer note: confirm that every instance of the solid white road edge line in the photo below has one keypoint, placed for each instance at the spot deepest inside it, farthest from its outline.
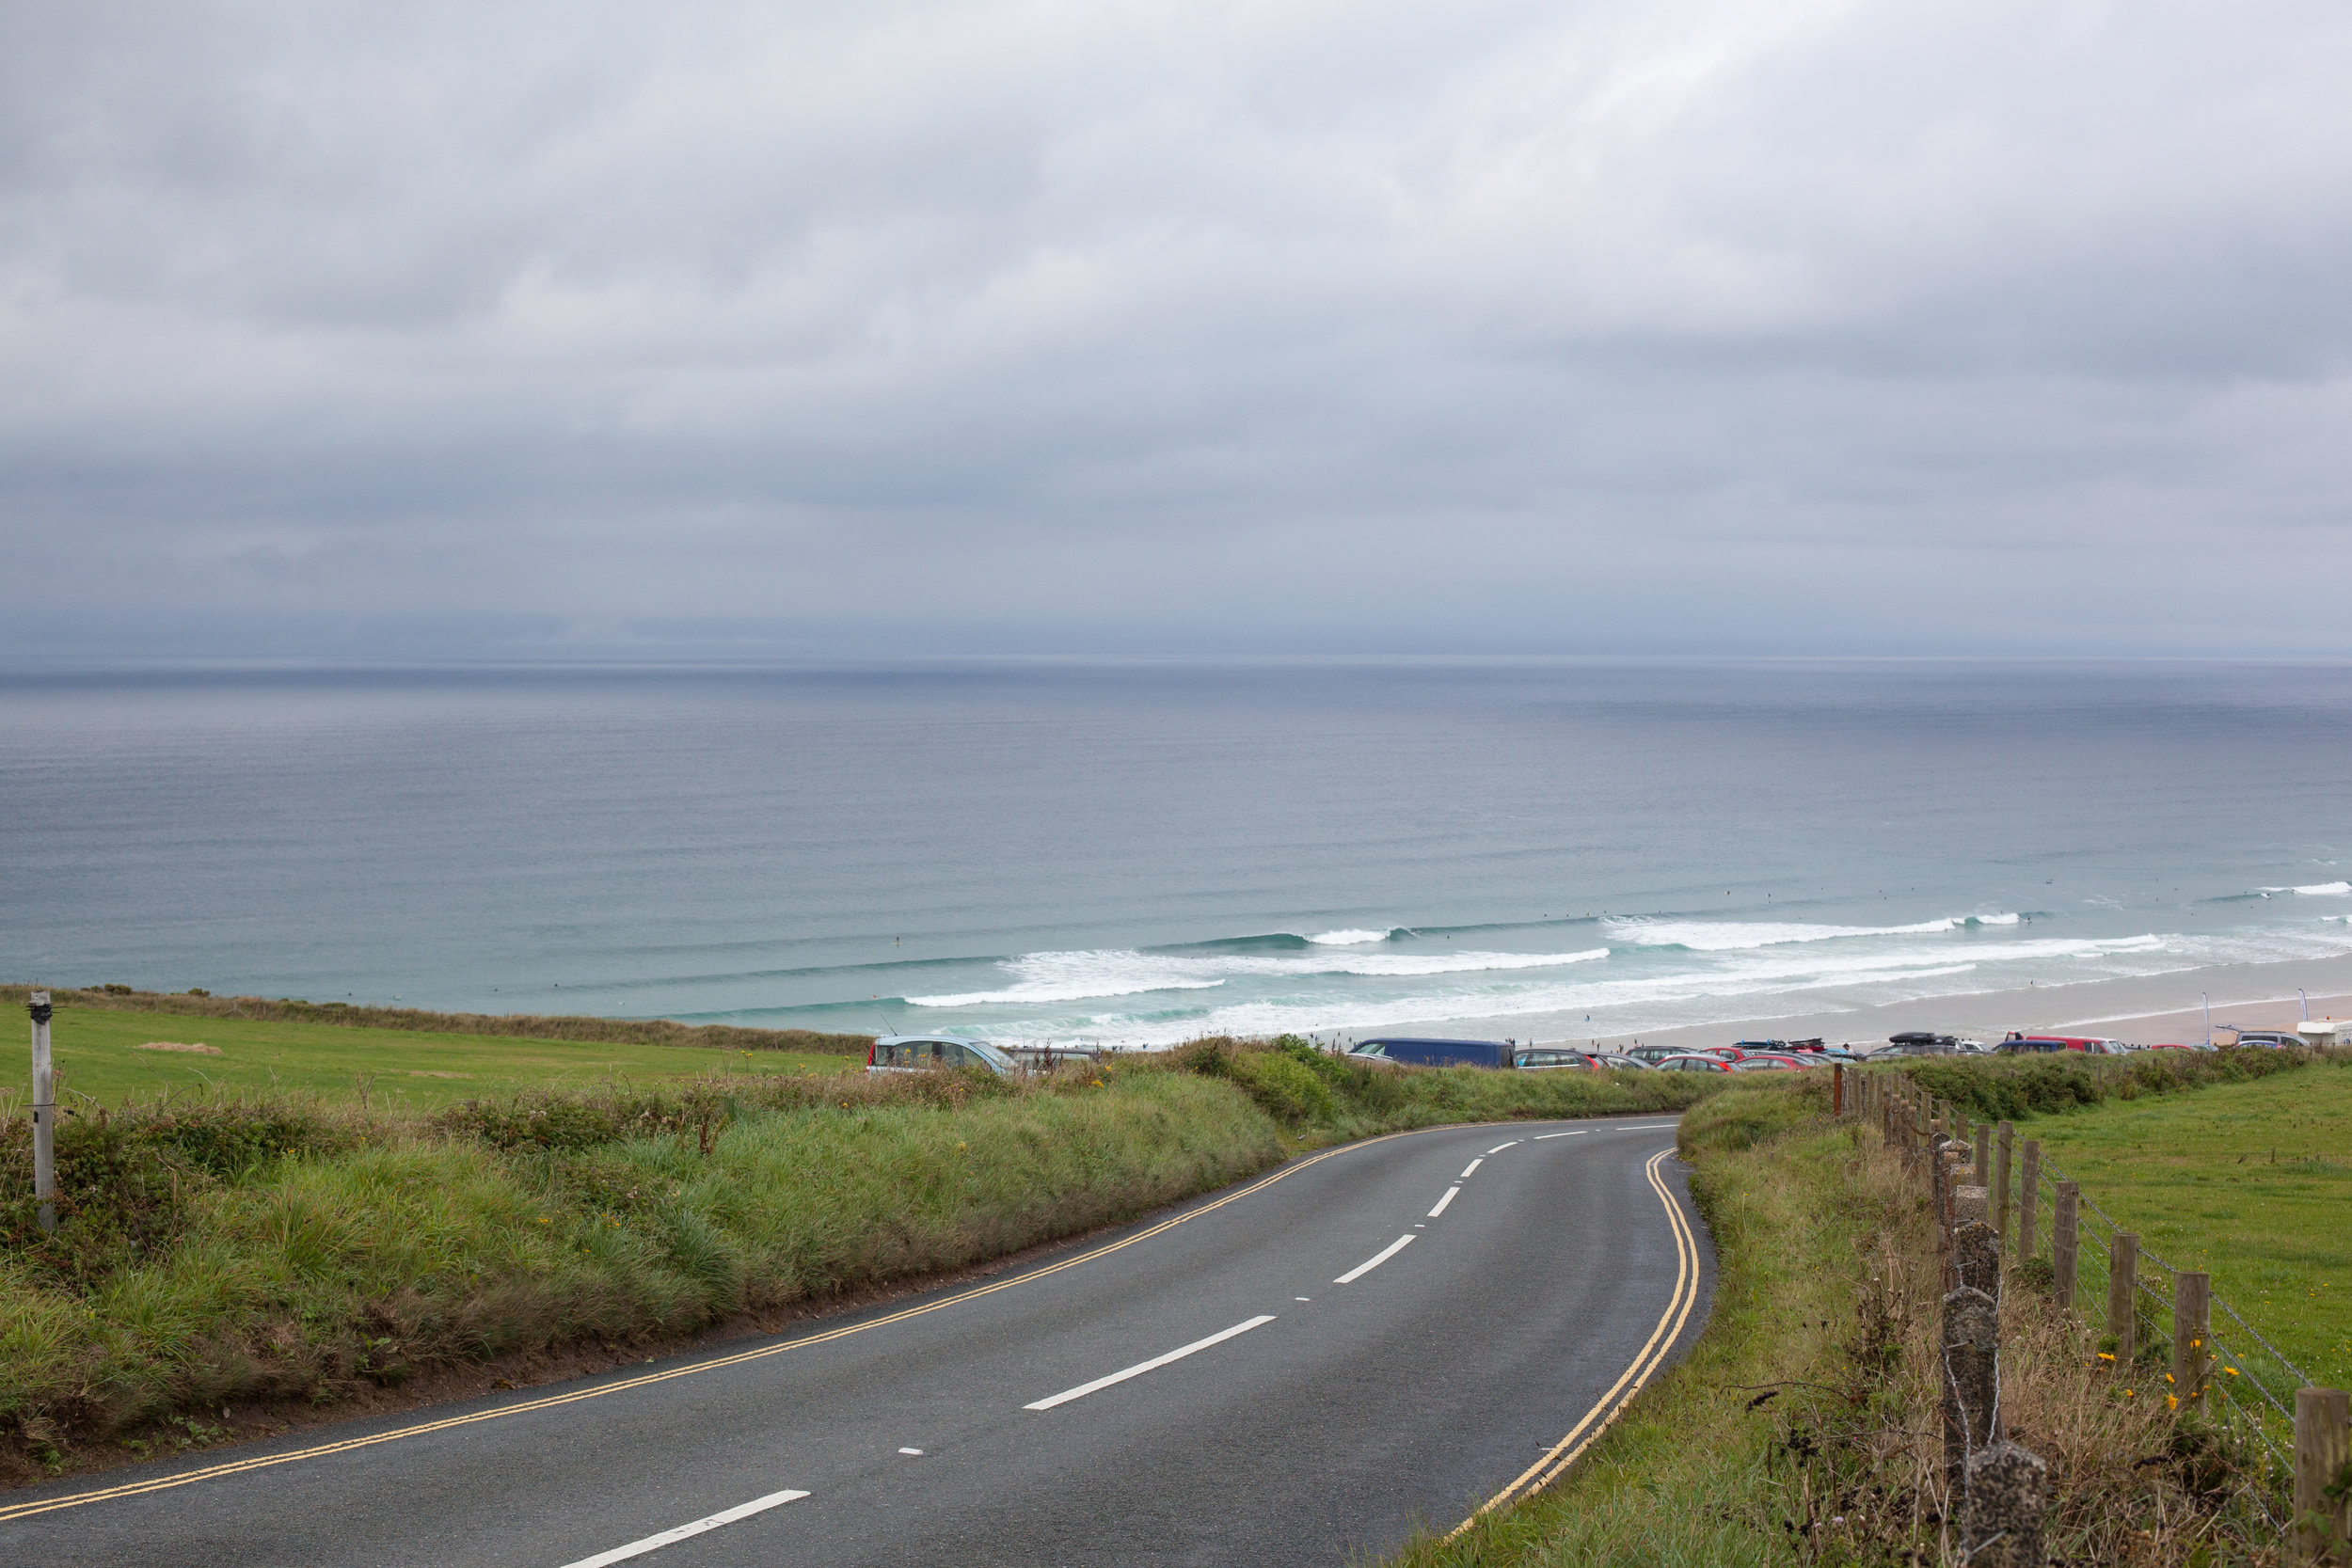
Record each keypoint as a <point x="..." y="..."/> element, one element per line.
<point x="1142" y="1367"/>
<point x="1374" y="1261"/>
<point x="1578" y="1133"/>
<point x="1444" y="1201"/>
<point x="1647" y="1127"/>
<point x="1500" y="1148"/>
<point x="1471" y="1167"/>
<point x="670" y="1537"/>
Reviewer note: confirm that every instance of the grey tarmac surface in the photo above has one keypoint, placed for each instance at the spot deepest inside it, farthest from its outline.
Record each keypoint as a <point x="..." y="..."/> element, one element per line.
<point x="1408" y="1396"/>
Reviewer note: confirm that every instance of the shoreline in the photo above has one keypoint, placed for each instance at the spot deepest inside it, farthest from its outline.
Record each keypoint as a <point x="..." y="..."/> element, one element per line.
<point x="2144" y="1010"/>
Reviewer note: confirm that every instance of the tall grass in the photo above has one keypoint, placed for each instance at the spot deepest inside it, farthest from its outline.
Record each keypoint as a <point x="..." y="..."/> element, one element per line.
<point x="238" y="1250"/>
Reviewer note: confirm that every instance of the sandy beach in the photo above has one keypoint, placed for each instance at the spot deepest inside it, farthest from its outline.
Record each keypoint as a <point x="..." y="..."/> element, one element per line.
<point x="2146" y="1010"/>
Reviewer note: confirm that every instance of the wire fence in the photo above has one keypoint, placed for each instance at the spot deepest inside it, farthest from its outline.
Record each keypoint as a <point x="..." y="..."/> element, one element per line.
<point x="2249" y="1392"/>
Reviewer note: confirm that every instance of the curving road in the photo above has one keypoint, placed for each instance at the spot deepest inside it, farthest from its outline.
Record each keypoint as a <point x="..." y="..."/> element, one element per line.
<point x="1299" y="1370"/>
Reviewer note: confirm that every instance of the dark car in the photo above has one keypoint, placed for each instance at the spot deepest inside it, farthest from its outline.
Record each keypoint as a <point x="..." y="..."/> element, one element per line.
<point x="1431" y="1053"/>
<point x="1557" y="1057"/>
<point x="2029" y="1045"/>
<point x="2267" y="1036"/>
<point x="1654" y="1055"/>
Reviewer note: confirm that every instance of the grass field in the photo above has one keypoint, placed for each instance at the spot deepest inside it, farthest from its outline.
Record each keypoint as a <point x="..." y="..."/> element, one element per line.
<point x="2249" y="1182"/>
<point x="98" y="1054"/>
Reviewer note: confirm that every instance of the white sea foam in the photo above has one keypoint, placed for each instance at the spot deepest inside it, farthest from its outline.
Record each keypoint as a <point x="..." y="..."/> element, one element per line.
<point x="1347" y="939"/>
<point x="1725" y="936"/>
<point x="2317" y="890"/>
<point x="1102" y="973"/>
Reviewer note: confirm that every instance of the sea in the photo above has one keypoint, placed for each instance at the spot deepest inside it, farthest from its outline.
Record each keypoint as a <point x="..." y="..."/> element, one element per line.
<point x="1139" y="853"/>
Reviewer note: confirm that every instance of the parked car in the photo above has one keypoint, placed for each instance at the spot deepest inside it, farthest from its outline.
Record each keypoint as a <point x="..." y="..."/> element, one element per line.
<point x="2026" y="1045"/>
<point x="931" y="1053"/>
<point x="1654" y="1055"/>
<point x="1612" y="1059"/>
<point x="1556" y="1057"/>
<point x="1435" y="1053"/>
<point x="1692" y="1061"/>
<point x="2266" y="1037"/>
<point x="1761" y="1063"/>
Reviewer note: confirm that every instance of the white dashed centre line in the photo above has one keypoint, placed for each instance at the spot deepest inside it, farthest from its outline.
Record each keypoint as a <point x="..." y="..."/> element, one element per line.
<point x="915" y="1452"/>
<point x="1444" y="1201"/>
<point x="1647" y="1127"/>
<point x="685" y="1532"/>
<point x="1471" y="1167"/>
<point x="1154" y="1364"/>
<point x="1500" y="1148"/>
<point x="1578" y="1133"/>
<point x="1374" y="1261"/>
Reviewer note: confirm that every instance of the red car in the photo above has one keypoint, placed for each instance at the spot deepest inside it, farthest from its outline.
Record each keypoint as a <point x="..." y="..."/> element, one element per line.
<point x="1694" y="1061"/>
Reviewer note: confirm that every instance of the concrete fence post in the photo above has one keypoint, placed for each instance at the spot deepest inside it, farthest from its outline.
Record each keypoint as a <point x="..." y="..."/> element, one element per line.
<point x="2323" y="1462"/>
<point x="2124" y="1297"/>
<point x="2064" y="1238"/>
<point x="2192" y="1336"/>
<point x="2009" y="1491"/>
<point x="2000" y="1178"/>
<point x="1971" y="1342"/>
<point x="2028" y="1198"/>
<point x="1976" y="1252"/>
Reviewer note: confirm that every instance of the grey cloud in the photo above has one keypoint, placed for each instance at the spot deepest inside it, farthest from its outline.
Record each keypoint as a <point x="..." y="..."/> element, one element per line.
<point x="1497" y="327"/>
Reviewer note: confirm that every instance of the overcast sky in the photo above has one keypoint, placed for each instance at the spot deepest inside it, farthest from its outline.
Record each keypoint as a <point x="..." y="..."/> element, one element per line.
<point x="383" y="330"/>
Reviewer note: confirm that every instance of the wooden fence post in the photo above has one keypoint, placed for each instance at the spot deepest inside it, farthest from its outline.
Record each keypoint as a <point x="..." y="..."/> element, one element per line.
<point x="2000" y="1181"/>
<point x="2323" y="1461"/>
<point x="1838" y="1089"/>
<point x="2063" y="1239"/>
<point x="1983" y="1176"/>
<point x="2009" y="1491"/>
<point x="2192" y="1336"/>
<point x="2124" y="1297"/>
<point x="2028" y="1198"/>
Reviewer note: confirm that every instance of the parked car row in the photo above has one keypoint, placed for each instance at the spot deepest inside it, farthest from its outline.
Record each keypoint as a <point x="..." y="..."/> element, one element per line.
<point x="925" y="1052"/>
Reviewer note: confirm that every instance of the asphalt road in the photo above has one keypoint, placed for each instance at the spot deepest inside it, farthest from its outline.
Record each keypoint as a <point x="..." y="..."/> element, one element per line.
<point x="1274" y="1413"/>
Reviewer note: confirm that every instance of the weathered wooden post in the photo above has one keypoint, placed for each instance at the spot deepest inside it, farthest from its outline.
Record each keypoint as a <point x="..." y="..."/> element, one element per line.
<point x="1837" y="1090"/>
<point x="1976" y="1252"/>
<point x="2009" y="1490"/>
<point x="2192" y="1336"/>
<point x="2064" y="1235"/>
<point x="2323" y="1462"/>
<point x="1972" y="1342"/>
<point x="44" y="1114"/>
<point x="2028" y="1198"/>
<point x="1983" y="1140"/>
<point x="2000" y="1179"/>
<point x="2124" y="1297"/>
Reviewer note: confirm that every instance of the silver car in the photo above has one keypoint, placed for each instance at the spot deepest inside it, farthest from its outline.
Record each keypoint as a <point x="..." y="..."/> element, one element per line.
<point x="930" y="1053"/>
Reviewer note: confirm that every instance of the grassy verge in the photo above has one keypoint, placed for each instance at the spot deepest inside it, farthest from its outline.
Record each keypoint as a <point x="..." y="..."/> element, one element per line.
<point x="288" y="1010"/>
<point x="106" y="1057"/>
<point x="250" y="1250"/>
<point x="1803" y="1427"/>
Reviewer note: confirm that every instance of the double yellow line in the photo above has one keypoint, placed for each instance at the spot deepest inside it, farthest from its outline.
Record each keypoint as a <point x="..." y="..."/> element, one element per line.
<point x="1651" y="1357"/>
<point x="321" y="1450"/>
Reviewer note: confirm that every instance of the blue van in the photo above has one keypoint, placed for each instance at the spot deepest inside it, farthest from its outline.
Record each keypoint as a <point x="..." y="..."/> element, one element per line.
<point x="1422" y="1052"/>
